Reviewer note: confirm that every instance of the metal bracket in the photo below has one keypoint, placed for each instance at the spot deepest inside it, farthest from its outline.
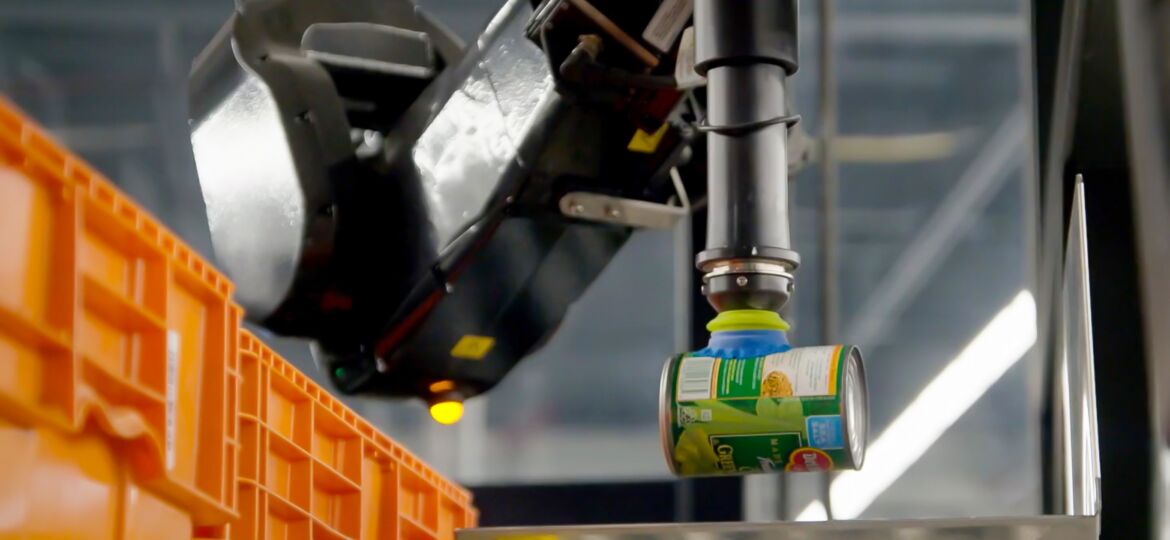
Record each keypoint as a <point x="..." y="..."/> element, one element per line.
<point x="620" y="211"/>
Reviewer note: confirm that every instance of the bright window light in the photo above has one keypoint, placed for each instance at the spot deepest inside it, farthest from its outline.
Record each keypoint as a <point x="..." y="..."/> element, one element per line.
<point x="997" y="347"/>
<point x="815" y="511"/>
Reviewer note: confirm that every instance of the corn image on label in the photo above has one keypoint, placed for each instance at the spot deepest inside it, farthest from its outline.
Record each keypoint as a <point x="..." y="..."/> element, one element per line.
<point x="780" y="412"/>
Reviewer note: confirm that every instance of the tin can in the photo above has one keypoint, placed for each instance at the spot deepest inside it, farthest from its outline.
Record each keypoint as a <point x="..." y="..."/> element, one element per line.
<point x="804" y="409"/>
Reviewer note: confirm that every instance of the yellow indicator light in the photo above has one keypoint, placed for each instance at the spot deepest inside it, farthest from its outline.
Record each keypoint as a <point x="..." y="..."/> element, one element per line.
<point x="447" y="412"/>
<point x="441" y="386"/>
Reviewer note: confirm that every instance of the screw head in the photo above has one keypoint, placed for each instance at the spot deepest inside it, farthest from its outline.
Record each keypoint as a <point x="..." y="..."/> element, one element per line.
<point x="742" y="281"/>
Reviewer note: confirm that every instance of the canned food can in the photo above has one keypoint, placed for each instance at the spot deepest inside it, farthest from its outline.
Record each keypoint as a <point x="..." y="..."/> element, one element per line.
<point x="804" y="409"/>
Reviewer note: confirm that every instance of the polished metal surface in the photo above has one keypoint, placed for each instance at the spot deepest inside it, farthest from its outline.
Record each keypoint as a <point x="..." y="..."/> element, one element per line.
<point x="1052" y="240"/>
<point x="257" y="225"/>
<point x="1013" y="528"/>
<point x="1075" y="405"/>
<point x="476" y="139"/>
<point x="855" y="408"/>
<point x="269" y="130"/>
<point x="1145" y="45"/>
<point x="747" y="284"/>
<point x="664" y="417"/>
<point x="748" y="266"/>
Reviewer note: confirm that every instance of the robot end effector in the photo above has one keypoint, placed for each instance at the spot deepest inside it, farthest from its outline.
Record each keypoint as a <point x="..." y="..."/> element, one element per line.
<point x="747" y="49"/>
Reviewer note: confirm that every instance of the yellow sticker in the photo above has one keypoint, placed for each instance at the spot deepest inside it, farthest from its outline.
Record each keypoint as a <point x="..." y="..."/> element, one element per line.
<point x="471" y="347"/>
<point x="645" y="143"/>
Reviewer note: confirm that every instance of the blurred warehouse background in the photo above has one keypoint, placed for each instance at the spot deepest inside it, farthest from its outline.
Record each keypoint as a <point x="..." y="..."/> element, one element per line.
<point x="935" y="213"/>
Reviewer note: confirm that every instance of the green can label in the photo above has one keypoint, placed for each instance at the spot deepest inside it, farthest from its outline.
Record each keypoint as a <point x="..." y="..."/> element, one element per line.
<point x="780" y="412"/>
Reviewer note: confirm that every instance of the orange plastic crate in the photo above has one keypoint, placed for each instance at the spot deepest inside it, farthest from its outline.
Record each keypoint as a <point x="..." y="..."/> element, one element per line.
<point x="309" y="465"/>
<point x="110" y="324"/>
<point x="120" y="367"/>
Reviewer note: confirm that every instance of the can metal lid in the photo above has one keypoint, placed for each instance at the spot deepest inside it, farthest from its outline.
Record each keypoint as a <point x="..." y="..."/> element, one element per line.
<point x="664" y="416"/>
<point x="855" y="407"/>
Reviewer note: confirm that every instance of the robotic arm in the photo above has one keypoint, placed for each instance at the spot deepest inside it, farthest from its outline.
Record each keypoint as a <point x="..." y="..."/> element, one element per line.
<point x="426" y="211"/>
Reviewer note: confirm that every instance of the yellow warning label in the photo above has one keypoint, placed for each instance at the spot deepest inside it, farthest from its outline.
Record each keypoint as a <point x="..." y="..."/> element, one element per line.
<point x="645" y="143"/>
<point x="471" y="347"/>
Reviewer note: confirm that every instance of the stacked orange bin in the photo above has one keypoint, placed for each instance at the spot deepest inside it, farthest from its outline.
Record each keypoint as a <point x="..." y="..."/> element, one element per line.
<point x="311" y="465"/>
<point x="132" y="405"/>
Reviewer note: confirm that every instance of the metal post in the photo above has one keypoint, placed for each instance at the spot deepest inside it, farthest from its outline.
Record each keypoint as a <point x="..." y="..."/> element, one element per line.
<point x="830" y="293"/>
<point x="1144" y="46"/>
<point x="829" y="179"/>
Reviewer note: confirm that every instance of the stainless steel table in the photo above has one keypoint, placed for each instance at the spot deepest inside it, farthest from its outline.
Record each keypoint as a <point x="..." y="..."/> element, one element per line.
<point x="1013" y="528"/>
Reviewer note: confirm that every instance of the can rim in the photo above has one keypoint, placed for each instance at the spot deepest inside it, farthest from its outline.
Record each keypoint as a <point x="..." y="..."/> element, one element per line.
<point x="664" y="415"/>
<point x="858" y="391"/>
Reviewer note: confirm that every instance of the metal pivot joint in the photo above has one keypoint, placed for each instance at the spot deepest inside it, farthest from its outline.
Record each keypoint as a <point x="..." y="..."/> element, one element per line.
<point x="747" y="49"/>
